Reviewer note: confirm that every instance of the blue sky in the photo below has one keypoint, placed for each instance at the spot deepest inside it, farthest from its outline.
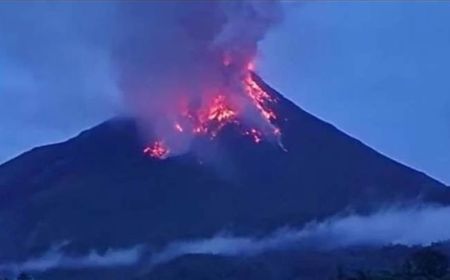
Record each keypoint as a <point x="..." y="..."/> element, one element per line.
<point x="378" y="70"/>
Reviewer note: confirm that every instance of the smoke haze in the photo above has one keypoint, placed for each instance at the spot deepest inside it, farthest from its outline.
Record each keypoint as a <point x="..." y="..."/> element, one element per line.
<point x="174" y="56"/>
<point x="56" y="76"/>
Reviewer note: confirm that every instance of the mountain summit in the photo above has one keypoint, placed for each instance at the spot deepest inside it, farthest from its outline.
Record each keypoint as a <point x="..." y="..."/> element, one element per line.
<point x="99" y="190"/>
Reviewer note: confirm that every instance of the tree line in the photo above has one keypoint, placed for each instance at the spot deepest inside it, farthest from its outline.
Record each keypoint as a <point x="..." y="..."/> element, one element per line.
<point x="425" y="264"/>
<point x="21" y="276"/>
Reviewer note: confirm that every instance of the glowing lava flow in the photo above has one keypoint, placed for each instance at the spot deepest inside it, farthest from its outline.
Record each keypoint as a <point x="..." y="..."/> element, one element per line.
<point x="214" y="117"/>
<point x="255" y="135"/>
<point x="218" y="110"/>
<point x="259" y="98"/>
<point x="157" y="150"/>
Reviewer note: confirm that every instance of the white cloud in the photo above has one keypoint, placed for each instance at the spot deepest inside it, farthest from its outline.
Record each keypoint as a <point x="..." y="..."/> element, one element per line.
<point x="406" y="226"/>
<point x="55" y="258"/>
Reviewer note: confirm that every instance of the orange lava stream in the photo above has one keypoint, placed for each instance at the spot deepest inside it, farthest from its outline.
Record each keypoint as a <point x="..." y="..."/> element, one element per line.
<point x="259" y="98"/>
<point x="219" y="111"/>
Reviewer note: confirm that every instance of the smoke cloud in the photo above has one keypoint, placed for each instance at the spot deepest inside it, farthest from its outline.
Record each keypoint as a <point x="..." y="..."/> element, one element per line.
<point x="174" y="55"/>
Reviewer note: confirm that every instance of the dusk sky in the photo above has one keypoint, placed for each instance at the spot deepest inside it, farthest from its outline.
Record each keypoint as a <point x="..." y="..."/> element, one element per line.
<point x="377" y="70"/>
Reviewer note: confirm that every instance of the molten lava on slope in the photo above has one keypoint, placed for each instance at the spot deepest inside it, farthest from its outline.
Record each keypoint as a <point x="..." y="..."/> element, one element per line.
<point x="222" y="107"/>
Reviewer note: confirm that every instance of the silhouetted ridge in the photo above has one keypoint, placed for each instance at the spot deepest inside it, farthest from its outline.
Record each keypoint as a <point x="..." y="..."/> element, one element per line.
<point x="98" y="190"/>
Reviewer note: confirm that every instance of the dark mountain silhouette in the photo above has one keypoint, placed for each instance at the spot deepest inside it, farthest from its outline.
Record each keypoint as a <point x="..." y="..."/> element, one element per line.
<point x="98" y="190"/>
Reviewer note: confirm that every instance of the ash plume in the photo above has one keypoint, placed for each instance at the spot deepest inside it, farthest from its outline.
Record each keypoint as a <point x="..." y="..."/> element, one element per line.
<point x="178" y="53"/>
<point x="75" y="64"/>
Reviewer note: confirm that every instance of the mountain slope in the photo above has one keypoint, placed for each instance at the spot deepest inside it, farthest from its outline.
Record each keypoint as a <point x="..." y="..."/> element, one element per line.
<point x="98" y="190"/>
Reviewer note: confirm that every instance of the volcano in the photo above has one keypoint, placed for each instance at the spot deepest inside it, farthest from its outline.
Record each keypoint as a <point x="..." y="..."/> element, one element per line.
<point x="99" y="190"/>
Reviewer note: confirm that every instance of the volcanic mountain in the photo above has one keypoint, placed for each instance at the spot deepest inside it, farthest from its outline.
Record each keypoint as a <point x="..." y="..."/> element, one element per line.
<point x="98" y="190"/>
